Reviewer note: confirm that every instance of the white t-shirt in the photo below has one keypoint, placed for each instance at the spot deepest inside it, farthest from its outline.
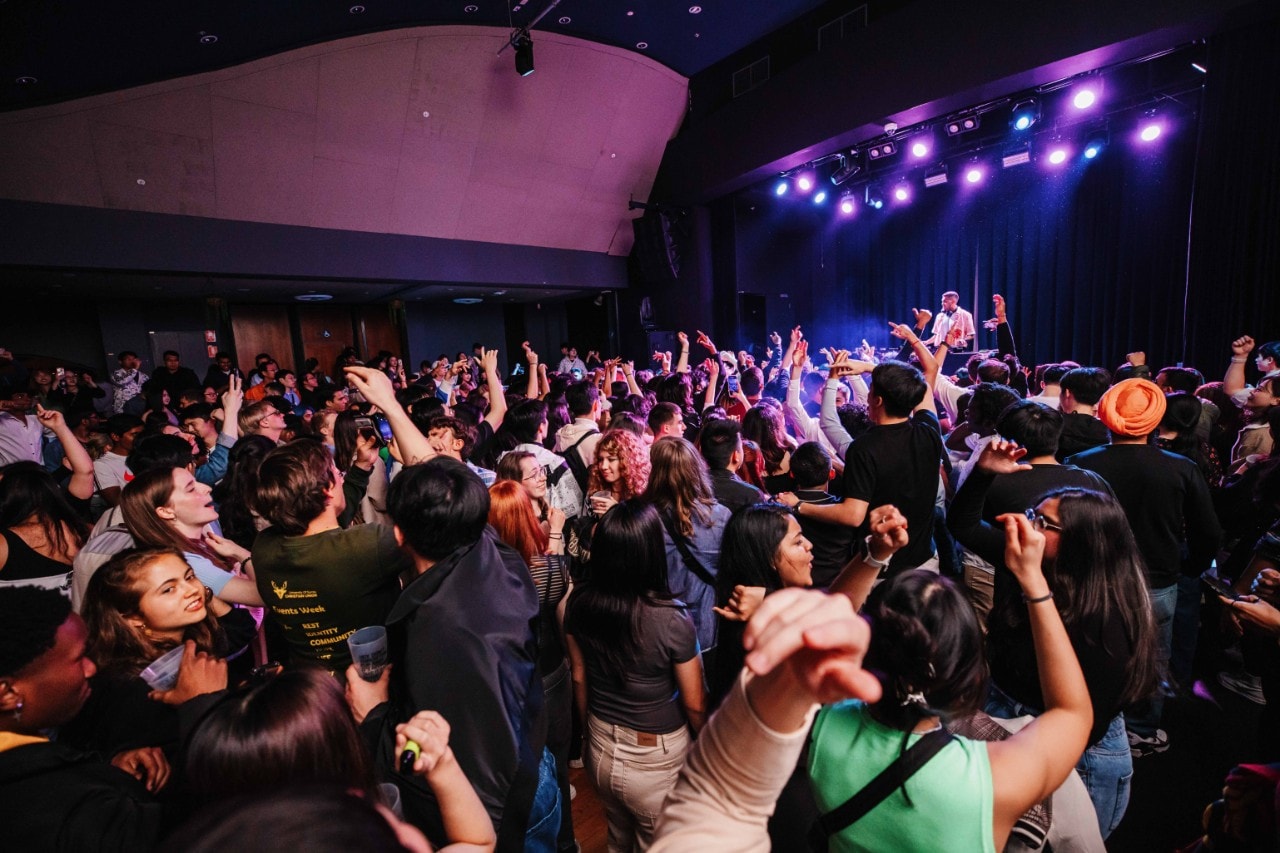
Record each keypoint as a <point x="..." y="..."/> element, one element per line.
<point x="108" y="471"/>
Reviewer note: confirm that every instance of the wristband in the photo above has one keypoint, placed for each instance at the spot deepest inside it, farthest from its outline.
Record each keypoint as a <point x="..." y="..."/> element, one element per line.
<point x="555" y="535"/>
<point x="1239" y="359"/>
<point x="872" y="561"/>
<point x="1040" y="600"/>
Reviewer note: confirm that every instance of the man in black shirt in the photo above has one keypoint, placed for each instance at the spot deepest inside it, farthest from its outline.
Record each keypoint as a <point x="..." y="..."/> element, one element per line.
<point x="1167" y="502"/>
<point x="721" y="444"/>
<point x="1082" y="387"/>
<point x="173" y="377"/>
<point x="898" y="460"/>
<point x="833" y="544"/>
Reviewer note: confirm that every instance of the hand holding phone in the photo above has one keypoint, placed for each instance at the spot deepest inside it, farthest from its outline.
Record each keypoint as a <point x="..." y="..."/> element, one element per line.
<point x="1220" y="587"/>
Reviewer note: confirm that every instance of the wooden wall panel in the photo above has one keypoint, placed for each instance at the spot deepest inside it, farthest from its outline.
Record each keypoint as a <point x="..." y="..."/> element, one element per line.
<point x="324" y="331"/>
<point x="261" y="328"/>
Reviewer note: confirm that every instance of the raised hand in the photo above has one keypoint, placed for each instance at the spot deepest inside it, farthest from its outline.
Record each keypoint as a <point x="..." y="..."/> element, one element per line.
<point x="683" y="339"/>
<point x="796" y="336"/>
<point x="706" y="342"/>
<point x="50" y="418"/>
<point x="529" y="355"/>
<point x="1001" y="309"/>
<point x="1023" y="552"/>
<point x="742" y="603"/>
<point x="903" y="332"/>
<point x="233" y="397"/>
<point x="489" y="362"/>
<point x="374" y="385"/>
<point x="1137" y="359"/>
<point x="1242" y="346"/>
<point x="1001" y="457"/>
<point x="922" y="316"/>
<point x="801" y="353"/>
<point x="888" y="531"/>
<point x="775" y="339"/>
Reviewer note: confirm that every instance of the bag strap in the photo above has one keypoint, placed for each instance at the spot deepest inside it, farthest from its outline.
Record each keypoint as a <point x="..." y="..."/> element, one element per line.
<point x="691" y="562"/>
<point x="875" y="791"/>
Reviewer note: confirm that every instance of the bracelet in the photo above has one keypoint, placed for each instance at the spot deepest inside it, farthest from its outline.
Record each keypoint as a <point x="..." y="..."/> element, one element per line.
<point x="872" y="561"/>
<point x="1239" y="359"/>
<point x="555" y="535"/>
<point x="1041" y="599"/>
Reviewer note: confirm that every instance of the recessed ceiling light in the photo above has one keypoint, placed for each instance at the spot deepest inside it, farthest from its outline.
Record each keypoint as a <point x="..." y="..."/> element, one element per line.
<point x="356" y="10"/>
<point x="695" y="10"/>
<point x="313" y="297"/>
<point x="468" y="300"/>
<point x="642" y="45"/>
<point x="208" y="38"/>
<point x="142" y="182"/>
<point x="630" y="14"/>
<point x="566" y="20"/>
<point x="472" y="8"/>
<point x="499" y="293"/>
<point x="426" y="114"/>
<point x="26" y="80"/>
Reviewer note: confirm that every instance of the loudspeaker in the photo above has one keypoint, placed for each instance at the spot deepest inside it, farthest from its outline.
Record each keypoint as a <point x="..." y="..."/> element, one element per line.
<point x="658" y="246"/>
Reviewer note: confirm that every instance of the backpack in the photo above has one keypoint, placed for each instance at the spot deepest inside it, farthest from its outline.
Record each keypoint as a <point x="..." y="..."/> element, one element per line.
<point x="573" y="456"/>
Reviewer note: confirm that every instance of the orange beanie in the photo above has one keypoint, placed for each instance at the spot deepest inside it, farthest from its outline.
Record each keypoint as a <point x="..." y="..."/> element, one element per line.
<point x="1132" y="407"/>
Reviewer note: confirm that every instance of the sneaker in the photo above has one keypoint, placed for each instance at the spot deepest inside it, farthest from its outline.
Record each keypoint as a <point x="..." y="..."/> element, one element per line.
<point x="575" y="763"/>
<point x="1243" y="685"/>
<point x="1140" y="746"/>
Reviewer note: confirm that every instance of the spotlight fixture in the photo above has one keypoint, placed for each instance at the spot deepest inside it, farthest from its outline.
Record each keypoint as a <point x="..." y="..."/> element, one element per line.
<point x="804" y="183"/>
<point x="819" y="197"/>
<point x="937" y="176"/>
<point x="1058" y="153"/>
<point x="1150" y="131"/>
<point x="522" y="43"/>
<point x="1094" y="146"/>
<point x="1084" y="96"/>
<point x="1016" y="154"/>
<point x="873" y="197"/>
<point x="902" y="192"/>
<point x="1025" y="114"/>
<point x="848" y="205"/>
<point x="966" y="124"/>
<point x="920" y="149"/>
<point x="883" y="149"/>
<point x="973" y="173"/>
<point x="781" y="187"/>
<point x="849" y="167"/>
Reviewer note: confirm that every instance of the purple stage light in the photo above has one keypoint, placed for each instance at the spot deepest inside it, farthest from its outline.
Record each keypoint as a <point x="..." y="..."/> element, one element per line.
<point x="804" y="183"/>
<point x="1058" y="156"/>
<point x="902" y="192"/>
<point x="973" y="174"/>
<point x="1084" y="98"/>
<point x="820" y="197"/>
<point x="1150" y="132"/>
<point x="781" y="188"/>
<point x="847" y="207"/>
<point x="919" y="149"/>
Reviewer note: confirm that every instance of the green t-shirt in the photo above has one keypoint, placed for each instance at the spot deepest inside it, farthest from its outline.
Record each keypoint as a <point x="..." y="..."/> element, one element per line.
<point x="952" y="793"/>
<point x="322" y="588"/>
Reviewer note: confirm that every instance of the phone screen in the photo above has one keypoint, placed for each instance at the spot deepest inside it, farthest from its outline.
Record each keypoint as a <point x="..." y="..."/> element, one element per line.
<point x="732" y="382"/>
<point x="384" y="427"/>
<point x="1220" y="587"/>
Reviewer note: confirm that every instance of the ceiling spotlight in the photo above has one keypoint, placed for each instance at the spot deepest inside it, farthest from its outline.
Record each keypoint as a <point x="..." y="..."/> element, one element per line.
<point x="467" y="300"/>
<point x="1095" y="145"/>
<point x="973" y="174"/>
<point x="312" y="296"/>
<point x="849" y="167"/>
<point x="1150" y="132"/>
<point x="1084" y="97"/>
<point x="883" y="149"/>
<point x="874" y="198"/>
<point x="804" y="183"/>
<point x="937" y="176"/>
<point x="847" y="204"/>
<point x="1058" y="154"/>
<point x="208" y="38"/>
<point x="523" y="46"/>
<point x="955" y="127"/>
<point x="902" y="192"/>
<point x="919" y="149"/>
<point x="1197" y="66"/>
<point x="25" y="80"/>
<point x="356" y="10"/>
<point x="781" y="187"/>
<point x="1016" y="154"/>
<point x="820" y="196"/>
<point x="1025" y="114"/>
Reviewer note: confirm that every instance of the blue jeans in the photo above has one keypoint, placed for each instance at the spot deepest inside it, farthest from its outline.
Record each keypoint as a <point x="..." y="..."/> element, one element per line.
<point x="1144" y="718"/>
<point x="1106" y="768"/>
<point x="544" y="817"/>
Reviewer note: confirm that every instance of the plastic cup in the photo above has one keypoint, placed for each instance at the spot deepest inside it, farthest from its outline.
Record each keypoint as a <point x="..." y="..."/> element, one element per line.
<point x="369" y="651"/>
<point x="162" y="674"/>
<point x="389" y="793"/>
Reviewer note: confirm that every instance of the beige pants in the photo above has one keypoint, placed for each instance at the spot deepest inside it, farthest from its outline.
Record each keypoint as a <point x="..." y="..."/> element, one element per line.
<point x="633" y="773"/>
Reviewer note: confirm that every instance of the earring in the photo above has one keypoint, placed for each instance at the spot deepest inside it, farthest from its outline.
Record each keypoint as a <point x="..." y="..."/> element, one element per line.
<point x="17" y="710"/>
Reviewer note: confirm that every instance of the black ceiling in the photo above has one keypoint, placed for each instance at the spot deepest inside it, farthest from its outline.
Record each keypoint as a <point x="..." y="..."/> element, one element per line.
<point x="72" y="48"/>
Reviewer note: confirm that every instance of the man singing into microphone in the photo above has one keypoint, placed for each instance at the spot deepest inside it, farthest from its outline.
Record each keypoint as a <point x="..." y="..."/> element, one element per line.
<point x="952" y="317"/>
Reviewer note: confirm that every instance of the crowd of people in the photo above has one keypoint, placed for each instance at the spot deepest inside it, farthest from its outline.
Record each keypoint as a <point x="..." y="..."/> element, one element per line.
<point x="772" y="599"/>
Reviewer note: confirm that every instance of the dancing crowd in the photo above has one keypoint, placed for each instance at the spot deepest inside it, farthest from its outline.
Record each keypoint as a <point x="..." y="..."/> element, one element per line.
<point x="773" y="599"/>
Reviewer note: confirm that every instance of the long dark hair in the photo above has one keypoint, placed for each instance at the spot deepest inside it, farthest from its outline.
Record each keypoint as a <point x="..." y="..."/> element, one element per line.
<point x="680" y="484"/>
<point x="296" y="726"/>
<point x="764" y="425"/>
<point x="113" y="594"/>
<point x="1099" y="574"/>
<point x="27" y="490"/>
<point x="747" y="552"/>
<point x="926" y="649"/>
<point x="626" y="573"/>
<point x="235" y="493"/>
<point x="1182" y="415"/>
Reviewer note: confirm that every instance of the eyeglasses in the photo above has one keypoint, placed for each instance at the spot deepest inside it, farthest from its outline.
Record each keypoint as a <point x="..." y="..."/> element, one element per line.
<point x="539" y="473"/>
<point x="1039" y="522"/>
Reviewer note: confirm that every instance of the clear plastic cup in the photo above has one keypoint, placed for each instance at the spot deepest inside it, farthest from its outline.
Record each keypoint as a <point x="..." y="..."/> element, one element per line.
<point x="389" y="793"/>
<point x="369" y="651"/>
<point x="162" y="674"/>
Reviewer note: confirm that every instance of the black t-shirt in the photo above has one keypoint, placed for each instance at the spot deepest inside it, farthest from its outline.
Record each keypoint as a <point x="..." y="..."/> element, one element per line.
<point x="833" y="544"/>
<point x="1079" y="433"/>
<point x="899" y="464"/>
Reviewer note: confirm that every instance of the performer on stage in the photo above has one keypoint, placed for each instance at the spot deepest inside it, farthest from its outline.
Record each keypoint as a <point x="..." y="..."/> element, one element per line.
<point x="952" y="317"/>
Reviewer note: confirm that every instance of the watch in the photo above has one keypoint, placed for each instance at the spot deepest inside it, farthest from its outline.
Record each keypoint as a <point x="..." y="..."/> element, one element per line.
<point x="872" y="561"/>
